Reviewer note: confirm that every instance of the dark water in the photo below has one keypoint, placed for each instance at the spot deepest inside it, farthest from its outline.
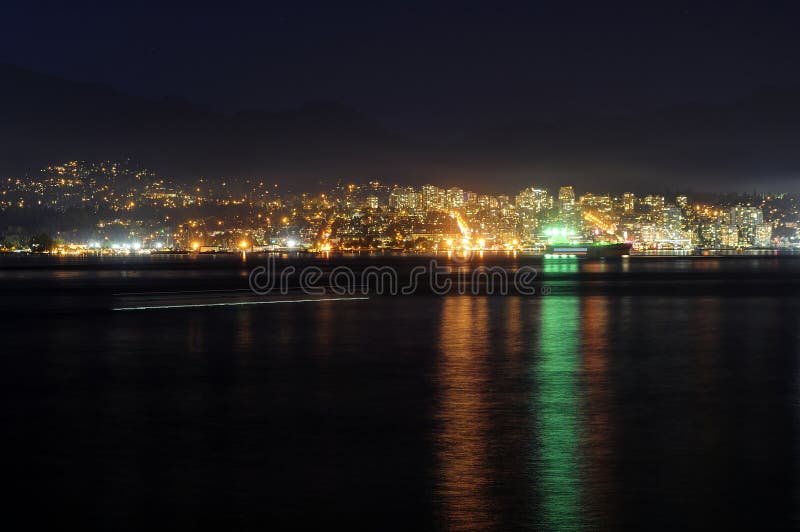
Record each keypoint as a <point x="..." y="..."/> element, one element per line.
<point x="649" y="394"/>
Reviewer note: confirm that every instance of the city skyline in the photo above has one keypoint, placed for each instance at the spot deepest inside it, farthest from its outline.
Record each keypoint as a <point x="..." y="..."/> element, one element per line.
<point x="122" y="206"/>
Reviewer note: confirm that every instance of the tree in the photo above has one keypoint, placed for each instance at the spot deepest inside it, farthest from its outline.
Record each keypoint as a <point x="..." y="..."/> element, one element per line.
<point x="14" y="239"/>
<point x="41" y="243"/>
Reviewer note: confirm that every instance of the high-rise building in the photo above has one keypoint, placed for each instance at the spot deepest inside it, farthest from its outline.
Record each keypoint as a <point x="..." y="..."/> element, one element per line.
<point x="747" y="219"/>
<point x="403" y="198"/>
<point x="742" y="215"/>
<point x="628" y="202"/>
<point x="728" y="236"/>
<point x="534" y="199"/>
<point x="602" y="204"/>
<point x="488" y="202"/>
<point x="433" y="197"/>
<point x="566" y="198"/>
<point x="707" y="234"/>
<point x="455" y="197"/>
<point x="672" y="218"/>
<point x="653" y="201"/>
<point x="763" y="236"/>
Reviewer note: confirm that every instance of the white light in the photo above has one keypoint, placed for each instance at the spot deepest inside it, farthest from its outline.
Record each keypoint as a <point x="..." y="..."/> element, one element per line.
<point x="291" y="243"/>
<point x="240" y="303"/>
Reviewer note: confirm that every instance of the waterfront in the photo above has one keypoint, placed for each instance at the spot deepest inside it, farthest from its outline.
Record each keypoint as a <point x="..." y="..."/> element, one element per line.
<point x="649" y="393"/>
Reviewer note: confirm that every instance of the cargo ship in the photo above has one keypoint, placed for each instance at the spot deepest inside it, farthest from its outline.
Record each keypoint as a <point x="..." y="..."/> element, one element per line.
<point x="591" y="250"/>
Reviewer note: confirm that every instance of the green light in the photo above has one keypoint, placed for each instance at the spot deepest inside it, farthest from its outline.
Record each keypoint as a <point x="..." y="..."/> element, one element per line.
<point x="558" y="234"/>
<point x="560" y="266"/>
<point x="556" y="404"/>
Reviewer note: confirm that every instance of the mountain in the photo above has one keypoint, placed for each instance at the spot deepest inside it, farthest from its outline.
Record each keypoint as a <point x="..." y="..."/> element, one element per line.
<point x="48" y="119"/>
<point x="753" y="140"/>
<point x="741" y="144"/>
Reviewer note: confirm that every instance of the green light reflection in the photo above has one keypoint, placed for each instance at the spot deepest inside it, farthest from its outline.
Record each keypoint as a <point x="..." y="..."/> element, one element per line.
<point x="556" y="407"/>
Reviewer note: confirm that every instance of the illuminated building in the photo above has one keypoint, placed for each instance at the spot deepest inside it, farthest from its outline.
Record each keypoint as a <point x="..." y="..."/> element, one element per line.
<point x="728" y="236"/>
<point x="628" y="202"/>
<point x="763" y="236"/>
<point x="653" y="201"/>
<point x="433" y="197"/>
<point x="747" y="219"/>
<point x="403" y="198"/>
<point x="455" y="197"/>
<point x="601" y="204"/>
<point x="566" y="198"/>
<point x="745" y="215"/>
<point x="534" y="199"/>
<point x="672" y="218"/>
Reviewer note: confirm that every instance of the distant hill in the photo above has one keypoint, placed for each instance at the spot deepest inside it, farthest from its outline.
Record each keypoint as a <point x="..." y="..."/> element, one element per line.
<point x="752" y="141"/>
<point x="749" y="141"/>
<point x="48" y="119"/>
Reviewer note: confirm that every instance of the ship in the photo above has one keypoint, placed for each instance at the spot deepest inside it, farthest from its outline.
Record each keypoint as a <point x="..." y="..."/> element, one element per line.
<point x="590" y="250"/>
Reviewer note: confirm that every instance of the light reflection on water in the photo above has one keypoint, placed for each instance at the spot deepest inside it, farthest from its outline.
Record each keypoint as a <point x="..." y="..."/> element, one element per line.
<point x="543" y="344"/>
<point x="546" y="440"/>
<point x="579" y="410"/>
<point x="598" y="420"/>
<point x="556" y="407"/>
<point x="570" y="458"/>
<point x="464" y="440"/>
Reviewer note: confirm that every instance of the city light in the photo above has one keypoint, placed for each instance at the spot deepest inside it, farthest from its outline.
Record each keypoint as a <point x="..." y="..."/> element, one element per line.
<point x="391" y="217"/>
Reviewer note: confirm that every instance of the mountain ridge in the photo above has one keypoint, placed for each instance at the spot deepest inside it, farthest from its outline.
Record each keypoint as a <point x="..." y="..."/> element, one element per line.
<point x="48" y="119"/>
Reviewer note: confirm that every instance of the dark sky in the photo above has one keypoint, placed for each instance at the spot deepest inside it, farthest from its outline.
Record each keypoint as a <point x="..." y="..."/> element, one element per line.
<point x="419" y="68"/>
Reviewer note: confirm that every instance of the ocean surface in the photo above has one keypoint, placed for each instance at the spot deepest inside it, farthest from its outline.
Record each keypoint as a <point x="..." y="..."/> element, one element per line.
<point x="643" y="393"/>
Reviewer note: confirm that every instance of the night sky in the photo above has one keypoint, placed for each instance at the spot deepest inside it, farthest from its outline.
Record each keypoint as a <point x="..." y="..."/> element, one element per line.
<point x="411" y="63"/>
<point x="432" y="72"/>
